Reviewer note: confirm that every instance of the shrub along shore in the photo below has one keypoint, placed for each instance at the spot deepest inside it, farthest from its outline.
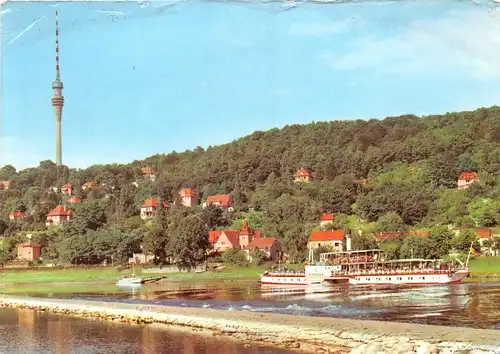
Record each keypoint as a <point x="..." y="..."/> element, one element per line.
<point x="302" y="333"/>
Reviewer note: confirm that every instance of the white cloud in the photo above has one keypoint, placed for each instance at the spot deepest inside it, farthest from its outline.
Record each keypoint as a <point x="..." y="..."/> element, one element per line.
<point x="465" y="41"/>
<point x="320" y="29"/>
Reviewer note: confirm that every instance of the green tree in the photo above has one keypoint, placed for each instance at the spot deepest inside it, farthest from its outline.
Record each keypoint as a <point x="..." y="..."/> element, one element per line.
<point x="440" y="241"/>
<point x="464" y="239"/>
<point x="391" y="222"/>
<point x="189" y="242"/>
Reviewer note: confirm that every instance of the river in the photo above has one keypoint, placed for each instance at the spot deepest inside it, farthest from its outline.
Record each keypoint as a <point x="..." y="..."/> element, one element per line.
<point x="467" y="304"/>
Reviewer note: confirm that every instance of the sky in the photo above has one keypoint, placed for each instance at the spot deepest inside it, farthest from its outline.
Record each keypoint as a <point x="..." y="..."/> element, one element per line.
<point x="142" y="78"/>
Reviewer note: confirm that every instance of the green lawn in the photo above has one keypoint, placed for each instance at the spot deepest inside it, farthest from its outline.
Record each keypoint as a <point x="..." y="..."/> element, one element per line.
<point x="47" y="275"/>
<point x="485" y="266"/>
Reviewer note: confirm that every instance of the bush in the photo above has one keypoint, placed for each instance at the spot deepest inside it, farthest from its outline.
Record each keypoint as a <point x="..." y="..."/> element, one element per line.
<point x="235" y="257"/>
<point x="258" y="256"/>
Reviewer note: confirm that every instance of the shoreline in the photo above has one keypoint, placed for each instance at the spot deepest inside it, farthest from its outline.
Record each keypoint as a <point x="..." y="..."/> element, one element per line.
<point x="300" y="333"/>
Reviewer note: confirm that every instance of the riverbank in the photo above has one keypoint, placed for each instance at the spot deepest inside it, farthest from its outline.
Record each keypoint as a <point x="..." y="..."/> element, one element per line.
<point x="301" y="333"/>
<point x="481" y="268"/>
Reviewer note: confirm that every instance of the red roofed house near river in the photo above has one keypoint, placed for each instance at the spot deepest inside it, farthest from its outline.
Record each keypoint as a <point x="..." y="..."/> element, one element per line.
<point x="148" y="209"/>
<point x="331" y="239"/>
<point x="58" y="216"/>
<point x="465" y="179"/>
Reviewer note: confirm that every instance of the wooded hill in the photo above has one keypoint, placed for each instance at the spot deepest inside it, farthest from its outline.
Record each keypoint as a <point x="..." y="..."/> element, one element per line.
<point x="412" y="165"/>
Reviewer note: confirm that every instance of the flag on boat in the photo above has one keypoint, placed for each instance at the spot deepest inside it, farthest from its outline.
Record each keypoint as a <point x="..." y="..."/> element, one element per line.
<point x="474" y="251"/>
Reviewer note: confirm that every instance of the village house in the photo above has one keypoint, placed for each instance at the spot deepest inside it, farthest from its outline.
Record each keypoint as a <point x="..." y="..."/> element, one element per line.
<point x="58" y="216"/>
<point x="89" y="185"/>
<point x="224" y="201"/>
<point x="67" y="189"/>
<point x="74" y="200"/>
<point x="4" y="185"/>
<point x="269" y="245"/>
<point x="189" y="197"/>
<point x="148" y="209"/>
<point x="303" y="176"/>
<point x="29" y="251"/>
<point x="482" y="233"/>
<point x="328" y="239"/>
<point x="16" y="215"/>
<point x="223" y="240"/>
<point x="325" y="219"/>
<point x="465" y="179"/>
<point x="148" y="172"/>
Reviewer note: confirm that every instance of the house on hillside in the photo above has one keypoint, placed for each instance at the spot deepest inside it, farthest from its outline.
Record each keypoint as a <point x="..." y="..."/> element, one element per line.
<point x="329" y="239"/>
<point x="4" y="185"/>
<point x="465" y="179"/>
<point x="29" y="251"/>
<point x="58" y="216"/>
<point x="303" y="175"/>
<point x="148" y="172"/>
<point x="89" y="185"/>
<point x="16" y="215"/>
<point x="325" y="219"/>
<point x="224" y="201"/>
<point x="74" y="200"/>
<point x="482" y="233"/>
<point x="189" y="197"/>
<point x="149" y="207"/>
<point x="269" y="245"/>
<point x="67" y="189"/>
<point x="223" y="240"/>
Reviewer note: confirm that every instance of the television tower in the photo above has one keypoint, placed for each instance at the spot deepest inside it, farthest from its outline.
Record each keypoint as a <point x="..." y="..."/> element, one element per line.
<point x="57" y="99"/>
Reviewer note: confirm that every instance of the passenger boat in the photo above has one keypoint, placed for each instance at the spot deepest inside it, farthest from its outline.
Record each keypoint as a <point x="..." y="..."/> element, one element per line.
<point x="370" y="267"/>
<point x="287" y="277"/>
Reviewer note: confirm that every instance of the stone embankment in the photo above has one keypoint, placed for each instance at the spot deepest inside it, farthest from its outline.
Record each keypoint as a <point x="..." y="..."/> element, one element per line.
<point x="300" y="333"/>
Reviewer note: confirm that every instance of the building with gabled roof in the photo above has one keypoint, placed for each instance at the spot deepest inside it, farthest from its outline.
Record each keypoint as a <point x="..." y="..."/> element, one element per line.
<point x="330" y="239"/>
<point x="325" y="219"/>
<point x="88" y="185"/>
<point x="58" y="216"/>
<point x="74" y="200"/>
<point x="4" y="185"/>
<point x="149" y="207"/>
<point x="189" y="197"/>
<point x="465" y="179"/>
<point x="148" y="172"/>
<point x="67" y="189"/>
<point x="303" y="175"/>
<point x="16" y="215"/>
<point x="224" y="201"/>
<point x="29" y="251"/>
<point x="269" y="245"/>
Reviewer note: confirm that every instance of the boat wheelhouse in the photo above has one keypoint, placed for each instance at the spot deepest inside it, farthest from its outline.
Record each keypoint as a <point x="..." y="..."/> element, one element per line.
<point x="371" y="267"/>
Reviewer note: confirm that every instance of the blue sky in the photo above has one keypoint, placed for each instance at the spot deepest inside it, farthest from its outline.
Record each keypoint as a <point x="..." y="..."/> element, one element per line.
<point x="151" y="77"/>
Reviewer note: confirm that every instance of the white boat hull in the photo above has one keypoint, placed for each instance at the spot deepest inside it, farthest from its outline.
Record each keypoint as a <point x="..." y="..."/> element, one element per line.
<point x="410" y="279"/>
<point x="289" y="280"/>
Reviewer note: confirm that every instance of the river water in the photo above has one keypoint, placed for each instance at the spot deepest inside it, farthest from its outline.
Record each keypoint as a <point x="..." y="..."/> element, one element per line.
<point x="29" y="332"/>
<point x="469" y="304"/>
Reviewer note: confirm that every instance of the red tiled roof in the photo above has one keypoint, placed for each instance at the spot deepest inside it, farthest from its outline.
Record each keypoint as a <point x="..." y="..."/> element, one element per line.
<point x="4" y="184"/>
<point x="153" y="202"/>
<point x="263" y="242"/>
<point x="467" y="176"/>
<point x="90" y="184"/>
<point x="147" y="171"/>
<point x="213" y="236"/>
<point x="60" y="211"/>
<point x="233" y="236"/>
<point x="187" y="192"/>
<point x="303" y="173"/>
<point x="16" y="214"/>
<point x="337" y="235"/>
<point x="74" y="199"/>
<point x="30" y="244"/>
<point x="326" y="217"/>
<point x="68" y="185"/>
<point x="245" y="229"/>
<point x="257" y="234"/>
<point x="225" y="200"/>
<point x="483" y="233"/>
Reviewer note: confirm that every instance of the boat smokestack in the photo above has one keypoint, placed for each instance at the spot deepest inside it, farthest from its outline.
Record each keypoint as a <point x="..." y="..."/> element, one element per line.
<point x="348" y="244"/>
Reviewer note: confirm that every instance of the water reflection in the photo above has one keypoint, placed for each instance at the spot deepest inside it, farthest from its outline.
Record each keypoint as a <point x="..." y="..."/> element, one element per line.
<point x="24" y="331"/>
<point x="468" y="304"/>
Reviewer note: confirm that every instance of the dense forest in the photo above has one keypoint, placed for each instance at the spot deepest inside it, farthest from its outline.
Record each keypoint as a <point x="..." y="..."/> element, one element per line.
<point x="411" y="165"/>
